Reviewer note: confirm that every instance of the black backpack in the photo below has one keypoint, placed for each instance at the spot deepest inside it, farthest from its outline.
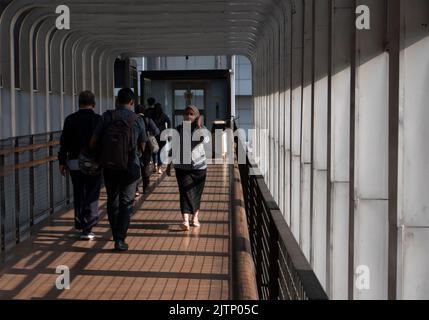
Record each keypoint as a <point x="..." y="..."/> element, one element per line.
<point x="117" y="142"/>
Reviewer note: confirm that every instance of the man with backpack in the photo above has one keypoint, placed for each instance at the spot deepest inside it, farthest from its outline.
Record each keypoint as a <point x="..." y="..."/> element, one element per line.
<point x="121" y="136"/>
<point x="77" y="131"/>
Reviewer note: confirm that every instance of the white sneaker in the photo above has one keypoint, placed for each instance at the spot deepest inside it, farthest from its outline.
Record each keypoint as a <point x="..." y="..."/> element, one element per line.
<point x="87" y="236"/>
<point x="185" y="226"/>
<point x="195" y="222"/>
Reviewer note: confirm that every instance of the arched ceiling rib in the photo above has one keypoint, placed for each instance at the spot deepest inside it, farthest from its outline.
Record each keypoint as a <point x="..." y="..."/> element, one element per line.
<point x="169" y="27"/>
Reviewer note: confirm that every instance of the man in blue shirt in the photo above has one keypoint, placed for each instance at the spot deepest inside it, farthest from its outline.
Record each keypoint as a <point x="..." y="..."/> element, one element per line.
<point x="121" y="184"/>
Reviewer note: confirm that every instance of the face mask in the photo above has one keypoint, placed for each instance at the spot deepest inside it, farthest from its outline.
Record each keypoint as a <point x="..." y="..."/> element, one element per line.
<point x="189" y="118"/>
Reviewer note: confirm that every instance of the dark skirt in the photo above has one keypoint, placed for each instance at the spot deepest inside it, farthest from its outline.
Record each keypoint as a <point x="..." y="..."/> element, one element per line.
<point x="191" y="186"/>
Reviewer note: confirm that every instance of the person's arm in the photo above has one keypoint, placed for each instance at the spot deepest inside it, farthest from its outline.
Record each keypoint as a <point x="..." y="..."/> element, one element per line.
<point x="142" y="147"/>
<point x="142" y="135"/>
<point x="153" y="128"/>
<point x="167" y="120"/>
<point x="93" y="142"/>
<point x="64" y="147"/>
<point x="199" y="122"/>
<point x="96" y="134"/>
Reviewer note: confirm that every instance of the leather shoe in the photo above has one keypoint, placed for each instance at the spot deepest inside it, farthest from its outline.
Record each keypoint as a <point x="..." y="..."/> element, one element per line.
<point x="121" y="246"/>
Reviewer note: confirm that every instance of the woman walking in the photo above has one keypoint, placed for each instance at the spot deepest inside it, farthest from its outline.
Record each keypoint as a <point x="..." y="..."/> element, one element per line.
<point x="191" y="177"/>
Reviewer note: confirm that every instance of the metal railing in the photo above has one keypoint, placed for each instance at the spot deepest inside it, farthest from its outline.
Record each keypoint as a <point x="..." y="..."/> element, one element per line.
<point x="31" y="186"/>
<point x="282" y="270"/>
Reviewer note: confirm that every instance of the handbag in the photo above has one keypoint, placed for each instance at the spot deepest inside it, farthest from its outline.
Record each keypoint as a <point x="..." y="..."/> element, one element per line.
<point x="152" y="142"/>
<point x="88" y="165"/>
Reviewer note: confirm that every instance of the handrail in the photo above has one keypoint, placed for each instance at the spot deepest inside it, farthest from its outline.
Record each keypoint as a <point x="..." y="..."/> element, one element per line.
<point x="9" y="169"/>
<point x="32" y="147"/>
<point x="282" y="270"/>
<point x="31" y="186"/>
<point x="31" y="135"/>
<point x="244" y="277"/>
<point x="6" y="170"/>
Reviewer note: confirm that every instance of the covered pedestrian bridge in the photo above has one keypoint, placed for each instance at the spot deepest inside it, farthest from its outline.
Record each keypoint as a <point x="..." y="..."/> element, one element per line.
<point x="338" y="206"/>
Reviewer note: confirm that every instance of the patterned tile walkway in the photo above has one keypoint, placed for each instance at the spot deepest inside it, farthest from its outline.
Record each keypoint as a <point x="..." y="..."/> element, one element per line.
<point x="163" y="262"/>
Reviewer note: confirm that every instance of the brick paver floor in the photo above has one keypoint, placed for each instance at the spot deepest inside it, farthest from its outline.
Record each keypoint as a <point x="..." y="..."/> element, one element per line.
<point x="163" y="262"/>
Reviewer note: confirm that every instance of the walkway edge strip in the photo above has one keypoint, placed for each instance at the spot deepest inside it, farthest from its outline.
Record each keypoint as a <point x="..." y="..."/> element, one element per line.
<point x="244" y="274"/>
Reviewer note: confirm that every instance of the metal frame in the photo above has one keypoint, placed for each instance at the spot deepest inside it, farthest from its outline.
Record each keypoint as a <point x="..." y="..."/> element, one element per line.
<point x="270" y="33"/>
<point x="282" y="271"/>
<point x="24" y="170"/>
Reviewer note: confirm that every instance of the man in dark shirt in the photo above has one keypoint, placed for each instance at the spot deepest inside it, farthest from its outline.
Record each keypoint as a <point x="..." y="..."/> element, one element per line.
<point x="76" y="135"/>
<point x="146" y="157"/>
<point x="150" y="109"/>
<point x="121" y="185"/>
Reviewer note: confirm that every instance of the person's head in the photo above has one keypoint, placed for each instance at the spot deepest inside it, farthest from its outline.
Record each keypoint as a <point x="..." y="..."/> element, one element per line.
<point x="158" y="109"/>
<point x="192" y="114"/>
<point x="86" y="100"/>
<point x="139" y="109"/>
<point x="126" y="98"/>
<point x="151" y="101"/>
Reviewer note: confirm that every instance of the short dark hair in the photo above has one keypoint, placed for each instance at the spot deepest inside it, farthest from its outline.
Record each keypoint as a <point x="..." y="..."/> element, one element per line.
<point x="125" y="96"/>
<point x="151" y="101"/>
<point x="86" y="98"/>
<point x="139" y="109"/>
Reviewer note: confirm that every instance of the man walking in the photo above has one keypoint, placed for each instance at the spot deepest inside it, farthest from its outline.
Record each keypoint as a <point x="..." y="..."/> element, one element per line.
<point x="150" y="109"/>
<point x="122" y="137"/>
<point x="76" y="135"/>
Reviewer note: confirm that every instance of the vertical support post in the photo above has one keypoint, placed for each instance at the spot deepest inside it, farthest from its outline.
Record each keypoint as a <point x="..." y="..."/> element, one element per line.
<point x="51" y="176"/>
<point x="312" y="139"/>
<point x="306" y="120"/>
<point x="394" y="34"/>
<point x="413" y="154"/>
<point x="2" y="206"/>
<point x="232" y="86"/>
<point x="328" y="286"/>
<point x="17" y="193"/>
<point x="343" y="23"/>
<point x="259" y="255"/>
<point x="32" y="195"/>
<point x="372" y="138"/>
<point x="274" y="259"/>
<point x="68" y="191"/>
<point x="320" y="139"/>
<point x="351" y="248"/>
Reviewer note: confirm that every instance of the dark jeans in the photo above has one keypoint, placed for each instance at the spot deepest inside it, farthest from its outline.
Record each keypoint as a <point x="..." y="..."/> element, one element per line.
<point x="146" y="169"/>
<point x="86" y="190"/>
<point x="146" y="176"/>
<point x="156" y="157"/>
<point x="120" y="188"/>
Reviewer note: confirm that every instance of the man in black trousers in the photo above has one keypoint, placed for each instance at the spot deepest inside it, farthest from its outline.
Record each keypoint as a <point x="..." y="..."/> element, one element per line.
<point x="76" y="135"/>
<point x="121" y="136"/>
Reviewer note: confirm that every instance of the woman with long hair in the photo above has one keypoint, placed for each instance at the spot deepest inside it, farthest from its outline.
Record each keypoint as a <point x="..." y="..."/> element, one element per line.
<point x="146" y="157"/>
<point x="163" y="122"/>
<point x="191" y="177"/>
